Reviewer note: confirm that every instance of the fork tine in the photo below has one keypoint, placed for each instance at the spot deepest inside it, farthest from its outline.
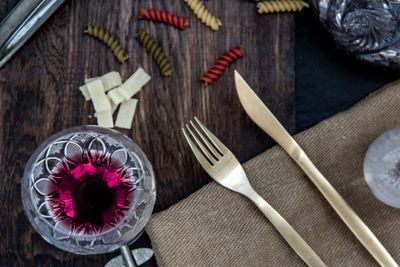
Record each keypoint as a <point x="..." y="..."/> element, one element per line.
<point x="206" y="142"/>
<point x="203" y="149"/>
<point x="218" y="144"/>
<point x="197" y="153"/>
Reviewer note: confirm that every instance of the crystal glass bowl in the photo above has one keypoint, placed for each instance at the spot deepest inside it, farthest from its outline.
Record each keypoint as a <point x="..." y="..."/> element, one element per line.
<point x="39" y="184"/>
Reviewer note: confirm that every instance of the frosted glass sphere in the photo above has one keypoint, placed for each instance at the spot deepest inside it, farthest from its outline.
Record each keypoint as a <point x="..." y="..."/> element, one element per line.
<point x="382" y="168"/>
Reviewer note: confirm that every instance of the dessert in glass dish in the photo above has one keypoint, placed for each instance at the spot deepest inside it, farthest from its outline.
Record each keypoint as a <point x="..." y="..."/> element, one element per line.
<point x="88" y="190"/>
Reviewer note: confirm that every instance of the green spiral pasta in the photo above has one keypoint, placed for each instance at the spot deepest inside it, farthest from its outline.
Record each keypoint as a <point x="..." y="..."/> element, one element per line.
<point x="203" y="14"/>
<point x="157" y="53"/>
<point x="108" y="39"/>
<point x="281" y="6"/>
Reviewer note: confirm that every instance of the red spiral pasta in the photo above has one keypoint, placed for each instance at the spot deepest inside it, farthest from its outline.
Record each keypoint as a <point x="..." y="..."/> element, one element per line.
<point x="221" y="64"/>
<point x="164" y="16"/>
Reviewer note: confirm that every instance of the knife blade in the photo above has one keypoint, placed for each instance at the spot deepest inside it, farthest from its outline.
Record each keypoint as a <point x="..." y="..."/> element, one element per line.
<point x="264" y="118"/>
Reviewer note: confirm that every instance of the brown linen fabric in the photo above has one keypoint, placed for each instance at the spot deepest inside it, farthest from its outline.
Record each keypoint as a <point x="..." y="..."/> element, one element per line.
<point x="216" y="227"/>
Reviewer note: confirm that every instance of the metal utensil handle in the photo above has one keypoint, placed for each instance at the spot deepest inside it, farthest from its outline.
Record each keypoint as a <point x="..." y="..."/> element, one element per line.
<point x="18" y="31"/>
<point x="288" y="233"/>
<point x="350" y="218"/>
<point x="16" y="18"/>
<point x="127" y="256"/>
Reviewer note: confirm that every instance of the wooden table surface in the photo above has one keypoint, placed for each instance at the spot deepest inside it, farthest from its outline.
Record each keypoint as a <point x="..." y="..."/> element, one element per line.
<point x="39" y="96"/>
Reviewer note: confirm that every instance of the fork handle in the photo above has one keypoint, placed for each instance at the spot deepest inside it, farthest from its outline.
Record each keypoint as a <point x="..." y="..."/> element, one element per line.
<point x="288" y="233"/>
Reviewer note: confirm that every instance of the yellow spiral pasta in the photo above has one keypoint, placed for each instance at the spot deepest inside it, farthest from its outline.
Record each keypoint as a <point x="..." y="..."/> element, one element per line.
<point x="108" y="39"/>
<point x="203" y="14"/>
<point x="281" y="6"/>
<point x="157" y="53"/>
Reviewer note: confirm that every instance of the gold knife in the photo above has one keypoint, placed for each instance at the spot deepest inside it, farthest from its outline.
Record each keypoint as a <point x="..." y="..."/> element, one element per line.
<point x="263" y="117"/>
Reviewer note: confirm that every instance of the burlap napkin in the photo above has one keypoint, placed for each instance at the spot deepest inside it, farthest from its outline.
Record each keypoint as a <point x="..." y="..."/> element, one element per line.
<point x="216" y="227"/>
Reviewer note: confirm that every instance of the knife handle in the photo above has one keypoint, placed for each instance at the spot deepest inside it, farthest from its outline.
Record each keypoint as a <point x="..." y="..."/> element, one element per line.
<point x="346" y="213"/>
<point x="298" y="244"/>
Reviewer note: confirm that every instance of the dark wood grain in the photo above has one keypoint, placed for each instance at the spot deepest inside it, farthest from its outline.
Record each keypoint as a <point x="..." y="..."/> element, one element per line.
<point x="39" y="96"/>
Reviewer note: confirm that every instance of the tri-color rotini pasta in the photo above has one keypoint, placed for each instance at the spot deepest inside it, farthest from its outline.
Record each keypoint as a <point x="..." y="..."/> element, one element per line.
<point x="156" y="51"/>
<point x="203" y="14"/>
<point x="108" y="39"/>
<point x="221" y="64"/>
<point x="281" y="6"/>
<point x="164" y="16"/>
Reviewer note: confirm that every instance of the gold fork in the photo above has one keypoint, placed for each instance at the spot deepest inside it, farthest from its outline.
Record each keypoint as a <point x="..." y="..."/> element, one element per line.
<point x="219" y="162"/>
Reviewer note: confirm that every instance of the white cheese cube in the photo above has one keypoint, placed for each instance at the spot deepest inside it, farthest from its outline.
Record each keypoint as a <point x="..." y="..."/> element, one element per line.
<point x="133" y="85"/>
<point x="105" y="119"/>
<point x="85" y="92"/>
<point x="115" y="96"/>
<point x="99" y="98"/>
<point x="113" y="109"/>
<point x="125" y="114"/>
<point x="88" y="80"/>
<point x="84" y="88"/>
<point x="111" y="80"/>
